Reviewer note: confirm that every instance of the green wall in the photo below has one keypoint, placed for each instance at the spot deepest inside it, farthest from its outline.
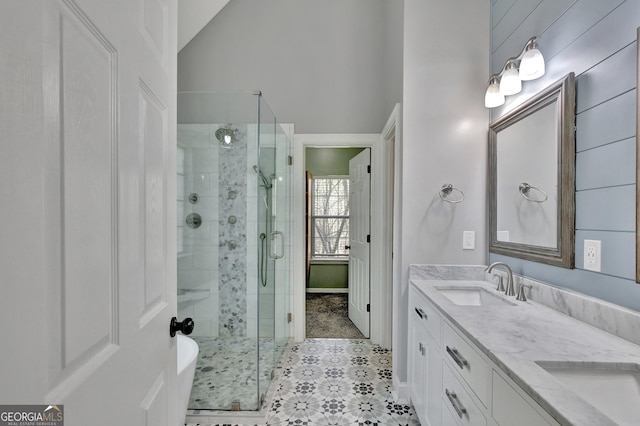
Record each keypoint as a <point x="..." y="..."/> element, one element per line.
<point x="329" y="162"/>
<point x="335" y="275"/>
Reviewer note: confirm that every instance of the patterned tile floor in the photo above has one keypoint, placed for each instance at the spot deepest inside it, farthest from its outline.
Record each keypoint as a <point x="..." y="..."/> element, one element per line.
<point x="336" y="382"/>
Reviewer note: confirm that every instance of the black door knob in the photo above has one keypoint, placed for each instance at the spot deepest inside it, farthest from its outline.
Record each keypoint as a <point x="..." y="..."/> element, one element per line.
<point x="185" y="327"/>
<point x="347" y="247"/>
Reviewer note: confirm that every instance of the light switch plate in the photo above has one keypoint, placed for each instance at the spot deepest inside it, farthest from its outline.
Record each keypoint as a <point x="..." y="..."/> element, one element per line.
<point x="593" y="255"/>
<point x="469" y="240"/>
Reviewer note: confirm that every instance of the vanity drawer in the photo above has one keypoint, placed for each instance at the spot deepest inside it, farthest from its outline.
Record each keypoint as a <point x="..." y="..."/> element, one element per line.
<point x="460" y="404"/>
<point x="421" y="310"/>
<point x="465" y="359"/>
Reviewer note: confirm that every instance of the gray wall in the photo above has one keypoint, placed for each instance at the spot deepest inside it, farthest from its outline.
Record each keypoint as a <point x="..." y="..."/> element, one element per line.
<point x="330" y="66"/>
<point x="446" y="64"/>
<point x="596" y="40"/>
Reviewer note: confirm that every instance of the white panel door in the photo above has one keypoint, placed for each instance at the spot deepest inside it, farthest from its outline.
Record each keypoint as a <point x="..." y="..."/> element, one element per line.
<point x="87" y="234"/>
<point x="359" y="230"/>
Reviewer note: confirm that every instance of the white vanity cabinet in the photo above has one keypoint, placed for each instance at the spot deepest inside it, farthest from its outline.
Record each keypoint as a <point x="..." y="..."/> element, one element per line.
<point x="425" y="359"/>
<point x="453" y="383"/>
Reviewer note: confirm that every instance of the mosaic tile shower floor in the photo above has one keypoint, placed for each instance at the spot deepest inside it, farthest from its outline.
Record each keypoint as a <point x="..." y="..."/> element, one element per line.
<point x="226" y="372"/>
<point x="336" y="382"/>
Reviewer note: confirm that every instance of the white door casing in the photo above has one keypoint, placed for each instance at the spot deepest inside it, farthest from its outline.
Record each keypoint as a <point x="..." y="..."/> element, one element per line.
<point x="391" y="137"/>
<point x="380" y="247"/>
<point x="359" y="235"/>
<point x="87" y="241"/>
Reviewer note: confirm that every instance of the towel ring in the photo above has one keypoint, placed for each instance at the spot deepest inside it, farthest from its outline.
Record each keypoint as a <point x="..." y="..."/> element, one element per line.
<point x="524" y="190"/>
<point x="447" y="189"/>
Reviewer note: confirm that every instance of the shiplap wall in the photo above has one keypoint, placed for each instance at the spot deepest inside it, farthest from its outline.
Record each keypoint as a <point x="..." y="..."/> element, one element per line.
<point x="596" y="40"/>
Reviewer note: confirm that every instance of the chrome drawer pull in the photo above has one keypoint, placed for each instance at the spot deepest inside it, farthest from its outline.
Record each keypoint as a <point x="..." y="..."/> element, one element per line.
<point x="453" y="398"/>
<point x="457" y="357"/>
<point x="421" y="313"/>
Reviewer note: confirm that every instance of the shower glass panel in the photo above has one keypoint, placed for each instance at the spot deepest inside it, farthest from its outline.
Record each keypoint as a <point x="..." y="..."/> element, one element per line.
<point x="233" y="244"/>
<point x="274" y="249"/>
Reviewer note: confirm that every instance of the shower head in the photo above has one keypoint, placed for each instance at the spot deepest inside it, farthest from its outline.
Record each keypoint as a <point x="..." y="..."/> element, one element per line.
<point x="226" y="136"/>
<point x="265" y="181"/>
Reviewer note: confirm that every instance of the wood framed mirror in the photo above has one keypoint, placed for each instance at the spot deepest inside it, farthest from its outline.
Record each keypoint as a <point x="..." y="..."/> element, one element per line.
<point x="638" y="156"/>
<point x="532" y="178"/>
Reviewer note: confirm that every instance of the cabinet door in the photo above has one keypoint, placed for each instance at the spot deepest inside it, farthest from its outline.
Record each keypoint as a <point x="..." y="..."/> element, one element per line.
<point x="433" y="398"/>
<point x="417" y="368"/>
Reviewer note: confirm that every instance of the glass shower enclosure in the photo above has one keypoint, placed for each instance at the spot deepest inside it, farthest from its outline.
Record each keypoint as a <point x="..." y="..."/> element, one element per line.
<point x="233" y="244"/>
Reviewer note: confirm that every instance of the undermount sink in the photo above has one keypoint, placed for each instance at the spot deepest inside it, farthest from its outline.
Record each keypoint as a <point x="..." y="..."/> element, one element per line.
<point x="472" y="296"/>
<point x="612" y="388"/>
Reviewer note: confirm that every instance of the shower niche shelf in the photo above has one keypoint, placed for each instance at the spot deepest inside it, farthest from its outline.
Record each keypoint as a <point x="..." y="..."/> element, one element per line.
<point x="189" y="295"/>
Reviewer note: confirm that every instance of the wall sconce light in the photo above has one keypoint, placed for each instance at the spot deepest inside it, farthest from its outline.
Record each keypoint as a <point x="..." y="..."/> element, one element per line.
<point x="529" y="65"/>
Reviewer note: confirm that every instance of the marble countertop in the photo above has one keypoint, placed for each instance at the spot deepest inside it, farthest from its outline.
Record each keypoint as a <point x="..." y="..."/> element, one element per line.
<point x="514" y="337"/>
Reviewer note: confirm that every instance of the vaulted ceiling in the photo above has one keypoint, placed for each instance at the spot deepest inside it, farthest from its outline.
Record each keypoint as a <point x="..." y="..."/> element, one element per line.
<point x="193" y="15"/>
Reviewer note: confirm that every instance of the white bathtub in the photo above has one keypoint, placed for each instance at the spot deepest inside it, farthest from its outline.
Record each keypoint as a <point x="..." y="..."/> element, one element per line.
<point x="187" y="358"/>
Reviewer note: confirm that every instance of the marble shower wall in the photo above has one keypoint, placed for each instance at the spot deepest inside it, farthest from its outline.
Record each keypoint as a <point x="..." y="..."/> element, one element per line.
<point x="232" y="227"/>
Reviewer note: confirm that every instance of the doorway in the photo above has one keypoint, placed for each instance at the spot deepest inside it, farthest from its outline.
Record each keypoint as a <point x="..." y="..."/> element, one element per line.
<point x="337" y="212"/>
<point x="381" y="237"/>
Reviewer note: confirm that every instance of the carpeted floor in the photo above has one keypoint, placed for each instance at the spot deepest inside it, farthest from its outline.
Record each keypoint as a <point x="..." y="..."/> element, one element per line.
<point x="328" y="317"/>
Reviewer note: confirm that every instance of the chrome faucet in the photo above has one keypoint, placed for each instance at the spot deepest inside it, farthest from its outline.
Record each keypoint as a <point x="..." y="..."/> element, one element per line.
<point x="509" y="291"/>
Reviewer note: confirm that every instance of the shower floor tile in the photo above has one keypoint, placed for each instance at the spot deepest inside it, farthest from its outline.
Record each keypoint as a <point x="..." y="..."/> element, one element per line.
<point x="226" y="372"/>
<point x="336" y="382"/>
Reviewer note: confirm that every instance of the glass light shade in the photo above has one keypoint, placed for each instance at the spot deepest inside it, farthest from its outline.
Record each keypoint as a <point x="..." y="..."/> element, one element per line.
<point x="510" y="84"/>
<point x="493" y="98"/>
<point x="532" y="65"/>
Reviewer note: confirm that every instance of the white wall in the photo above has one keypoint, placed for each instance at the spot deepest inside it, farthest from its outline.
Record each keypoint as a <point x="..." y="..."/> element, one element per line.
<point x="446" y="67"/>
<point x="330" y="66"/>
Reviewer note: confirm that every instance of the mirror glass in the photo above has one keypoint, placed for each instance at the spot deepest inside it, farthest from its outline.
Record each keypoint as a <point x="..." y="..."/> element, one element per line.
<point x="532" y="189"/>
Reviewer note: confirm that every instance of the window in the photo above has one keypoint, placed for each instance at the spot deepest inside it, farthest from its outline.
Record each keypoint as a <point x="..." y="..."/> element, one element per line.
<point x="330" y="216"/>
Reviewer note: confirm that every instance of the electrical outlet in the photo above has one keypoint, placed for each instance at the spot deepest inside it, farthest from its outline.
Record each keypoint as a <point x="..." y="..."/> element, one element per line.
<point x="468" y="240"/>
<point x="592" y="255"/>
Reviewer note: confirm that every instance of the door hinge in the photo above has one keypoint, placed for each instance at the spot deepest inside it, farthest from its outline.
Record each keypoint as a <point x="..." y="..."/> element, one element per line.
<point x="289" y="160"/>
<point x="369" y="168"/>
<point x="368" y="238"/>
<point x="368" y="307"/>
<point x="289" y="317"/>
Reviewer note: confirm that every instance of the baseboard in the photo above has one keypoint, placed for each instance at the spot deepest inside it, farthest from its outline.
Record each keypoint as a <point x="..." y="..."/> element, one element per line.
<point x="327" y="290"/>
<point x="400" y="391"/>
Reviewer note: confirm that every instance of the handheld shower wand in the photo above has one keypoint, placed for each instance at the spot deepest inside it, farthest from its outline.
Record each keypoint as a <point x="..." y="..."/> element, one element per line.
<point x="267" y="184"/>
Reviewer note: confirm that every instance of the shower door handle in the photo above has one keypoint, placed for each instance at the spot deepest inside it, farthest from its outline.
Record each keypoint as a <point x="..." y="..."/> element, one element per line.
<point x="274" y="253"/>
